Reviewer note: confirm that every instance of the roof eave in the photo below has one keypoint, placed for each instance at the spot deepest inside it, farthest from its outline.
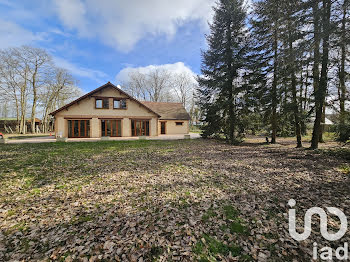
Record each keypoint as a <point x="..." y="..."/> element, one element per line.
<point x="96" y="90"/>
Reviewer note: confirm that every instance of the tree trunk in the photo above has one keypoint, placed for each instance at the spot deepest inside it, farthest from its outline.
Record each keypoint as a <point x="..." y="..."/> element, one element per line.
<point x="342" y="87"/>
<point x="316" y="70"/>
<point x="306" y="88"/>
<point x="323" y="122"/>
<point x="35" y="98"/>
<point x="320" y="94"/>
<point x="274" y="91"/>
<point x="230" y="87"/>
<point x="295" y="106"/>
<point x="17" y="114"/>
<point x="23" y="102"/>
<point x="32" y="118"/>
<point x="294" y="87"/>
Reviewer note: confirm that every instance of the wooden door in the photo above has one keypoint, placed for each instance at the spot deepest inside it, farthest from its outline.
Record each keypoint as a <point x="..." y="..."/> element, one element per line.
<point x="162" y="128"/>
<point x="140" y="127"/>
<point x="78" y="128"/>
<point x="111" y="127"/>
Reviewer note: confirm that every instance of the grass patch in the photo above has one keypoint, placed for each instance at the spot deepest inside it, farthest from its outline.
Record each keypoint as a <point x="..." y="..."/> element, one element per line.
<point x="41" y="164"/>
<point x="11" y="213"/>
<point x="238" y="228"/>
<point x="210" y="213"/>
<point x="20" y="227"/>
<point x="234" y="222"/>
<point x="327" y="136"/>
<point x="343" y="153"/>
<point x="230" y="212"/>
<point x="154" y="253"/>
<point x="208" y="247"/>
<point x="345" y="169"/>
<point x="81" y="219"/>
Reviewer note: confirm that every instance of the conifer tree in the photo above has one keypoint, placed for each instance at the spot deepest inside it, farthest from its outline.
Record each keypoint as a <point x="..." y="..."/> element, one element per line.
<point x="292" y="34"/>
<point x="221" y="83"/>
<point x="343" y="43"/>
<point x="321" y="91"/>
<point x="266" y="29"/>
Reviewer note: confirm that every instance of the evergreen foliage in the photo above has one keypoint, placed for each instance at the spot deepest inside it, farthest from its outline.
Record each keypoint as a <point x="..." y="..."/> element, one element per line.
<point x="276" y="70"/>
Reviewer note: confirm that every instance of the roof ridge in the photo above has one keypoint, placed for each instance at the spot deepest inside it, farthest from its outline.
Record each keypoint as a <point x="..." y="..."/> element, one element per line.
<point x="98" y="89"/>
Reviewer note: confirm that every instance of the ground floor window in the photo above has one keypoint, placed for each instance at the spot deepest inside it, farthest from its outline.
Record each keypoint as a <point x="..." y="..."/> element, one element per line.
<point x="140" y="127"/>
<point x="78" y="128"/>
<point x="111" y="127"/>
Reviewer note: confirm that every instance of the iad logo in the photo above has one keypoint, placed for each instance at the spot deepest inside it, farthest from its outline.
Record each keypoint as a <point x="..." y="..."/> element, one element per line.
<point x="323" y="225"/>
<point x="341" y="253"/>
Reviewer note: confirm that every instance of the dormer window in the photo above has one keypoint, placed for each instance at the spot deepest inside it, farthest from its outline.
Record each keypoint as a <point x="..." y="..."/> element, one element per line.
<point x="102" y="103"/>
<point x="119" y="103"/>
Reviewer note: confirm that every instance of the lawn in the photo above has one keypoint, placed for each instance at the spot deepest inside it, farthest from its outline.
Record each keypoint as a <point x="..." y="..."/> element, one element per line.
<point x="187" y="200"/>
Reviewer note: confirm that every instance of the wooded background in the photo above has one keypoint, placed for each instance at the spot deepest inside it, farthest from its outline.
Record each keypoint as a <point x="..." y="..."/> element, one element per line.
<point x="32" y="86"/>
<point x="278" y="67"/>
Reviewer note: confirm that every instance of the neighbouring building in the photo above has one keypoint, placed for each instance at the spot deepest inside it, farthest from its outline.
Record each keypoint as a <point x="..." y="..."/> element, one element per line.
<point x="109" y="111"/>
<point x="10" y="125"/>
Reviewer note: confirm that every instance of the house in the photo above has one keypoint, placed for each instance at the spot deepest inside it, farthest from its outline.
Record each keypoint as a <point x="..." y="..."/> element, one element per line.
<point x="109" y="111"/>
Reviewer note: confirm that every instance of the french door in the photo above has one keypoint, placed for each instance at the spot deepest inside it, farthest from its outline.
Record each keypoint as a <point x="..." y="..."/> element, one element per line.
<point x="78" y="128"/>
<point x="111" y="127"/>
<point x="140" y="127"/>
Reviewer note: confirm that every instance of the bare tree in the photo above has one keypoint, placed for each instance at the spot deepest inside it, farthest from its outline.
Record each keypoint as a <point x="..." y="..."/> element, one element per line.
<point x="40" y="64"/>
<point x="158" y="81"/>
<point x="28" y="77"/>
<point x="183" y="85"/>
<point x="14" y="83"/>
<point x="57" y="92"/>
<point x="161" y="85"/>
<point x="152" y="86"/>
<point x="136" y="85"/>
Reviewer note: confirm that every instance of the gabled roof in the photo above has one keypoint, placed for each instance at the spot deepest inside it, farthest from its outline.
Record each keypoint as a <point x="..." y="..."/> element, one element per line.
<point x="109" y="84"/>
<point x="168" y="111"/>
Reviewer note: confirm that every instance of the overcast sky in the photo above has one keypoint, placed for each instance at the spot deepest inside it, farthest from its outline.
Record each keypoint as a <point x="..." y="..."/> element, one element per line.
<point x="100" y="40"/>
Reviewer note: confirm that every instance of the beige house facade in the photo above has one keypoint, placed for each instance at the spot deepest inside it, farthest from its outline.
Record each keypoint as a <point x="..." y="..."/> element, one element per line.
<point x="108" y="111"/>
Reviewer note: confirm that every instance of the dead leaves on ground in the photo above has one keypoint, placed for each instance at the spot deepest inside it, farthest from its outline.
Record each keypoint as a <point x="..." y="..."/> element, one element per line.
<point x="181" y="201"/>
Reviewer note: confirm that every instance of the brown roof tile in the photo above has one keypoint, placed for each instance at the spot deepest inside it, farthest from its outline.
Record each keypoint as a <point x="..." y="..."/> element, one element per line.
<point x="169" y="111"/>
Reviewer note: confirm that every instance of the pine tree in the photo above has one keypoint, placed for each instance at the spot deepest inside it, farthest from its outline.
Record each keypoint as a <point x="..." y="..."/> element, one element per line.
<point x="343" y="42"/>
<point x="292" y="34"/>
<point x="266" y="27"/>
<point x="221" y="84"/>
<point x="321" y="91"/>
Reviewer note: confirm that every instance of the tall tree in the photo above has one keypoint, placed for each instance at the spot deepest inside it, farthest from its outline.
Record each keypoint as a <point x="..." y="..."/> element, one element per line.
<point x="40" y="64"/>
<point x="321" y="91"/>
<point x="14" y="75"/>
<point x="220" y="84"/>
<point x="266" y="30"/>
<point x="153" y="85"/>
<point x="157" y="83"/>
<point x="343" y="44"/>
<point x="292" y="36"/>
<point x="183" y="85"/>
<point x="60" y="90"/>
<point x="136" y="85"/>
<point x="26" y="80"/>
